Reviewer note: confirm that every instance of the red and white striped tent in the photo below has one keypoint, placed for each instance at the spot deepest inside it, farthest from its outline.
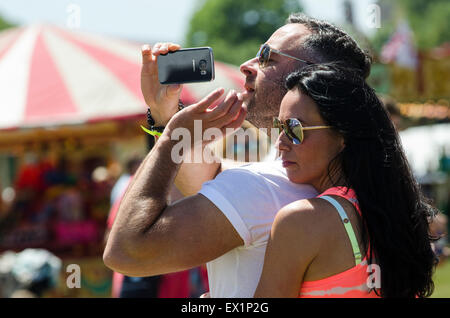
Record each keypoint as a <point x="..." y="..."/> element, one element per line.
<point x="51" y="76"/>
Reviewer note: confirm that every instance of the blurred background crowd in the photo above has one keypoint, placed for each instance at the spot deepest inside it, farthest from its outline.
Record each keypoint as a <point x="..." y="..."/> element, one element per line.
<point x="71" y="110"/>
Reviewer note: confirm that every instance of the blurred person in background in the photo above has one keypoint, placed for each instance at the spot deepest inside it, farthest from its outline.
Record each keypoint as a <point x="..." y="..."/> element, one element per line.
<point x="125" y="286"/>
<point x="28" y="274"/>
<point x="176" y="285"/>
<point x="439" y="228"/>
<point x="122" y="182"/>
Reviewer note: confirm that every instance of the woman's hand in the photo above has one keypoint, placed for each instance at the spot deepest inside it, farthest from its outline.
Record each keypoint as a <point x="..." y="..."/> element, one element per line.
<point x="225" y="118"/>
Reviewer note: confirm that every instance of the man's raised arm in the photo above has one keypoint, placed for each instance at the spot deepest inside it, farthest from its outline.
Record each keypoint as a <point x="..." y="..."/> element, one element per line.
<point x="163" y="102"/>
<point x="150" y="237"/>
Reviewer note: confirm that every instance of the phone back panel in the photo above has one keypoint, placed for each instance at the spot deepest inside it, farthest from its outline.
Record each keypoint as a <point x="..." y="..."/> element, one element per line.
<point x="186" y="66"/>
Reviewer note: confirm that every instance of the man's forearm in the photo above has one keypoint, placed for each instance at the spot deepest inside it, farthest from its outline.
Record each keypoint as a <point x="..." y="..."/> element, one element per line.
<point x="146" y="197"/>
<point x="191" y="175"/>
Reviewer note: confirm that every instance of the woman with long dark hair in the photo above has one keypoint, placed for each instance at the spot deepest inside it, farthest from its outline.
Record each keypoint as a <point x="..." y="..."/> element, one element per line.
<point x="367" y="234"/>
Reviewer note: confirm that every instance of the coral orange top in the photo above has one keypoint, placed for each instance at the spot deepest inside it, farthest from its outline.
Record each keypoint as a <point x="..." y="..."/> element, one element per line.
<point x="355" y="282"/>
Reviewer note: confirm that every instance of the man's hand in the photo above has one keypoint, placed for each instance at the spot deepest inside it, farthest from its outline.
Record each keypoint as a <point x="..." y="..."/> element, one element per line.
<point x="228" y="114"/>
<point x="163" y="103"/>
<point x="162" y="99"/>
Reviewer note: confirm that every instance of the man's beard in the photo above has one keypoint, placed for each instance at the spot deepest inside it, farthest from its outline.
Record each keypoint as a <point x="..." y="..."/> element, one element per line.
<point x="264" y="106"/>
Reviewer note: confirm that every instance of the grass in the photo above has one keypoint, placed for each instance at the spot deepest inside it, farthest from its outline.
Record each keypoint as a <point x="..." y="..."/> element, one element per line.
<point x="441" y="280"/>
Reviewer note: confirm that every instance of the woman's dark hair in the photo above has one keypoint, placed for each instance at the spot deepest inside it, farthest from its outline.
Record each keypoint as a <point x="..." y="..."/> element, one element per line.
<point x="395" y="215"/>
<point x="328" y="43"/>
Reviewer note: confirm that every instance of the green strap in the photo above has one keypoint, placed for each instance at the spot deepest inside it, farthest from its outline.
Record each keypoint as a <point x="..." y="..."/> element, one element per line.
<point x="151" y="132"/>
<point x="348" y="227"/>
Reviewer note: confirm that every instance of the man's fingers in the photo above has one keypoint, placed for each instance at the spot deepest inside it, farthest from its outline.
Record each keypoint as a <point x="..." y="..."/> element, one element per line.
<point x="237" y="123"/>
<point x="235" y="108"/>
<point x="164" y="48"/>
<point x="149" y="52"/>
<point x="231" y="114"/>
<point x="208" y="100"/>
<point x="149" y="67"/>
<point x="239" y="120"/>
<point x="173" y="89"/>
<point x="173" y="47"/>
<point x="146" y="51"/>
<point x="156" y="46"/>
<point x="223" y="108"/>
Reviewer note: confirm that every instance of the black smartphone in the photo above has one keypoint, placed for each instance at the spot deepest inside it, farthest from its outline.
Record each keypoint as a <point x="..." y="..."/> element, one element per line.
<point x="186" y="66"/>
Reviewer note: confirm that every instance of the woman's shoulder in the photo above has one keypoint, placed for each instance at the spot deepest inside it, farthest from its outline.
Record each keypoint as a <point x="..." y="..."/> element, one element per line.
<point x="311" y="220"/>
<point x="303" y="220"/>
<point x="306" y="210"/>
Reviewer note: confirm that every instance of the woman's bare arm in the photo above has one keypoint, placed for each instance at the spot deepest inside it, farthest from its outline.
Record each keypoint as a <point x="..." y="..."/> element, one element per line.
<point x="291" y="248"/>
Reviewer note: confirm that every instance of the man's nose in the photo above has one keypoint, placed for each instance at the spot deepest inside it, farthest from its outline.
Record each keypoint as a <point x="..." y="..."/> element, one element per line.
<point x="250" y="67"/>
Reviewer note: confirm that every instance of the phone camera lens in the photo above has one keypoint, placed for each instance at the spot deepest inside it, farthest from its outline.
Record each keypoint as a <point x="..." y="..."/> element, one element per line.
<point x="202" y="65"/>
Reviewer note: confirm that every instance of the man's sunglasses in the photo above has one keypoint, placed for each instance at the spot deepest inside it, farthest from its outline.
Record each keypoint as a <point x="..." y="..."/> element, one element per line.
<point x="264" y="55"/>
<point x="294" y="129"/>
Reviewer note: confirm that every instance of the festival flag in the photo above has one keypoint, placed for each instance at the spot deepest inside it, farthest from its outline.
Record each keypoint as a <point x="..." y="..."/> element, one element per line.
<point x="400" y="48"/>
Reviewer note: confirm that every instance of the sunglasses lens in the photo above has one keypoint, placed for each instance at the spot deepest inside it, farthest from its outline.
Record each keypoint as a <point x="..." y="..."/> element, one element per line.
<point x="277" y="124"/>
<point x="263" y="55"/>
<point x="295" y="131"/>
<point x="292" y="129"/>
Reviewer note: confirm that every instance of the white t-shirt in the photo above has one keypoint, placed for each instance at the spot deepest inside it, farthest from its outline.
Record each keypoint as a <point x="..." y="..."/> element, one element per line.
<point x="249" y="196"/>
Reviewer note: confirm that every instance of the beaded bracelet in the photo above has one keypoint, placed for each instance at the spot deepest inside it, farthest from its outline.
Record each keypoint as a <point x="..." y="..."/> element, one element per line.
<point x="156" y="131"/>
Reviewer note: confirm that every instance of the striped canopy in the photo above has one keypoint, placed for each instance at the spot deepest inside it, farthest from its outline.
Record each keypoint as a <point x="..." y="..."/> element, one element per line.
<point x="51" y="76"/>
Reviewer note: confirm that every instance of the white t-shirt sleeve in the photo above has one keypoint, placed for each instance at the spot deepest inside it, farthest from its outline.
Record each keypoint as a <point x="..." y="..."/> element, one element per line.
<point x="245" y="199"/>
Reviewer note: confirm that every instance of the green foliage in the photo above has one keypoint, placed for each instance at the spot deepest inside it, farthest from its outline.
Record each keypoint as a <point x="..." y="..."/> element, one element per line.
<point x="378" y="78"/>
<point x="4" y="24"/>
<point x="433" y="27"/>
<point x="382" y="36"/>
<point x="236" y="28"/>
<point x="441" y="279"/>
<point x="428" y="19"/>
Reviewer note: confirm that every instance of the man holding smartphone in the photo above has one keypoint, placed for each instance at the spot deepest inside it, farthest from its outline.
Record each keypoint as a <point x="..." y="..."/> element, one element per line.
<point x="224" y="222"/>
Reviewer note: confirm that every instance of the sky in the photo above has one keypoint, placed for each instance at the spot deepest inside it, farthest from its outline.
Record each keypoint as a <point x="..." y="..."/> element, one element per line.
<point x="145" y="20"/>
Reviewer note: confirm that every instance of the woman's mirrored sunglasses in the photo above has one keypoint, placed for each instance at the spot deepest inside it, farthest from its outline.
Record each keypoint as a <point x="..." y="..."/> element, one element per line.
<point x="293" y="129"/>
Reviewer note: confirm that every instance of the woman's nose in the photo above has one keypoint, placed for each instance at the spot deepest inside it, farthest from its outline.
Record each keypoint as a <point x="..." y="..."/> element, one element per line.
<point x="283" y="143"/>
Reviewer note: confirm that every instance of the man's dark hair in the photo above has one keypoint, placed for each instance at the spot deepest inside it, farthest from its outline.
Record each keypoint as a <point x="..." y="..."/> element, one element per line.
<point x="328" y="43"/>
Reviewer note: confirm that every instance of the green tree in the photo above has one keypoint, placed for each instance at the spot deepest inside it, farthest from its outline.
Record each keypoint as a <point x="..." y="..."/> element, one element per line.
<point x="4" y="24"/>
<point x="236" y="28"/>
<point x="429" y="20"/>
<point x="432" y="27"/>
